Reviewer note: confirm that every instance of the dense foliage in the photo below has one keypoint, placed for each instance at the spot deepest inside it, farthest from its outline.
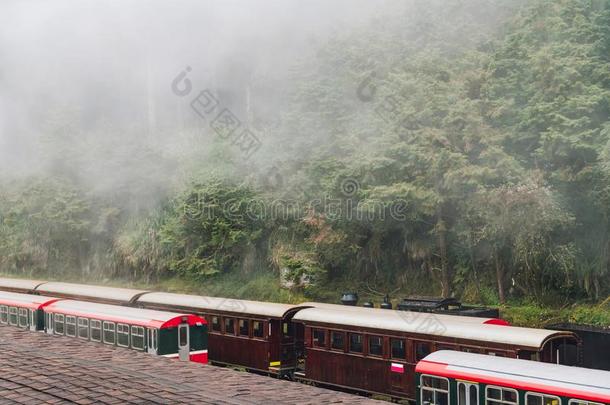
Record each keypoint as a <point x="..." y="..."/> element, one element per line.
<point x="446" y="157"/>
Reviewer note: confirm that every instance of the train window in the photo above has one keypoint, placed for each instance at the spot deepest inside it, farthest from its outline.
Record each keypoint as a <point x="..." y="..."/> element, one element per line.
<point x="23" y="317"/>
<point x="398" y="348"/>
<point x="375" y="345"/>
<point x="216" y="324"/>
<point x="3" y="314"/>
<point x="59" y="324"/>
<point x="532" y="398"/>
<point x="355" y="343"/>
<point x="581" y="402"/>
<point x="421" y="350"/>
<point x="319" y="338"/>
<point x="287" y="328"/>
<point x="109" y="333"/>
<point x="337" y="340"/>
<point x="434" y="390"/>
<point x="83" y="328"/>
<point x="96" y="330"/>
<point x="137" y="337"/>
<point x="229" y="326"/>
<point x="244" y="327"/>
<point x="258" y="329"/>
<point x="70" y="325"/>
<point x="122" y="332"/>
<point x="499" y="395"/>
<point x="12" y="316"/>
<point x="470" y="349"/>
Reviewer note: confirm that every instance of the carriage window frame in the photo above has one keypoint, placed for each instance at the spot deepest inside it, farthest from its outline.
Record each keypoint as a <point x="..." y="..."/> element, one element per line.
<point x="333" y="342"/>
<point x="106" y="329"/>
<point x="60" y="323"/>
<point x="13" y="312"/>
<point x="216" y="323"/>
<point x="3" y="314"/>
<point x="82" y="324"/>
<point x="229" y="320"/>
<point x="352" y="349"/>
<point x="70" y="322"/>
<point x="98" y="328"/>
<point x="122" y="331"/>
<point x="258" y="332"/>
<point x="404" y="348"/>
<point x="243" y="325"/>
<point x="542" y="396"/>
<point x="416" y="351"/>
<point x="139" y="335"/>
<point x="495" y="401"/>
<point x="582" y="402"/>
<point x="23" y="316"/>
<point x="379" y="352"/>
<point x="315" y="338"/>
<point x="434" y="390"/>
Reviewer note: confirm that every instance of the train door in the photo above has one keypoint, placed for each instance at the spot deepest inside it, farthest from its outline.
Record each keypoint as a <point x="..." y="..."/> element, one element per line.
<point x="152" y="339"/>
<point x="183" y="342"/>
<point x="32" y="319"/>
<point x="468" y="393"/>
<point x="48" y="323"/>
<point x="287" y="354"/>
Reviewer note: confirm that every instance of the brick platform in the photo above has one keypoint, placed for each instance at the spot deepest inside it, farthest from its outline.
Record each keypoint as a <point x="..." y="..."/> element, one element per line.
<point x="36" y="368"/>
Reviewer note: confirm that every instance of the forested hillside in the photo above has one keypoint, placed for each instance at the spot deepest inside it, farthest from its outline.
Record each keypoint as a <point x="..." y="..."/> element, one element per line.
<point x="455" y="148"/>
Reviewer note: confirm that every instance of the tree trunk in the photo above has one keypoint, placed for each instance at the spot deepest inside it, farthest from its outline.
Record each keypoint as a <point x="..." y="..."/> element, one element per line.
<point x="500" y="278"/>
<point x="442" y="245"/>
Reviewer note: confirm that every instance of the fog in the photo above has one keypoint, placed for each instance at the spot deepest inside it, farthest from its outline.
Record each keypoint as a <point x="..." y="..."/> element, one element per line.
<point x="87" y="81"/>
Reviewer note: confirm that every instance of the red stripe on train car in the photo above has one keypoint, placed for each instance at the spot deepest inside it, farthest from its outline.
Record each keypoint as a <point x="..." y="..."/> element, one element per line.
<point x="199" y="357"/>
<point x="496" y="321"/>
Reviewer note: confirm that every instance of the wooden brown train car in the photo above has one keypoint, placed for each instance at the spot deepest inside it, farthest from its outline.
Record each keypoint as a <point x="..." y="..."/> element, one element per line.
<point x="375" y="350"/>
<point x="251" y="334"/>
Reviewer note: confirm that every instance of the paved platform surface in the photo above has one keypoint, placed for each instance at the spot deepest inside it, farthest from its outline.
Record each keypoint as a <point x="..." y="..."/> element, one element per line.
<point x="39" y="369"/>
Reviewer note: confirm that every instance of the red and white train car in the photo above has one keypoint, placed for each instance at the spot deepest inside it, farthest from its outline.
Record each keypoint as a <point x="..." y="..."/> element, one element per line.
<point x="23" y="310"/>
<point x="162" y="333"/>
<point x="458" y="378"/>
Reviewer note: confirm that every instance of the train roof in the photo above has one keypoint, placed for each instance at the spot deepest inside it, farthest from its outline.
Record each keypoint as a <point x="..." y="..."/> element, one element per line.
<point x="368" y="311"/>
<point x="17" y="284"/>
<point x="429" y="324"/>
<point x="115" y="313"/>
<point x="237" y="306"/>
<point x="113" y="294"/>
<point x="582" y="383"/>
<point x="24" y="300"/>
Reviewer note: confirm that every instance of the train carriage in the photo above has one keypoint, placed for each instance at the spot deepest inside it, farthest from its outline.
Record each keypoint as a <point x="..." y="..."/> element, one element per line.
<point x="457" y="378"/>
<point x="23" y="310"/>
<point x="251" y="334"/>
<point x="19" y="285"/>
<point x="94" y="293"/>
<point x="375" y="351"/>
<point x="162" y="333"/>
<point x="366" y="311"/>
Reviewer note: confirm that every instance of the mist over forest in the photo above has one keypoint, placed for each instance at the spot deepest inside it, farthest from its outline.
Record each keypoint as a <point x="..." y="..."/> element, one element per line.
<point x="286" y="149"/>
